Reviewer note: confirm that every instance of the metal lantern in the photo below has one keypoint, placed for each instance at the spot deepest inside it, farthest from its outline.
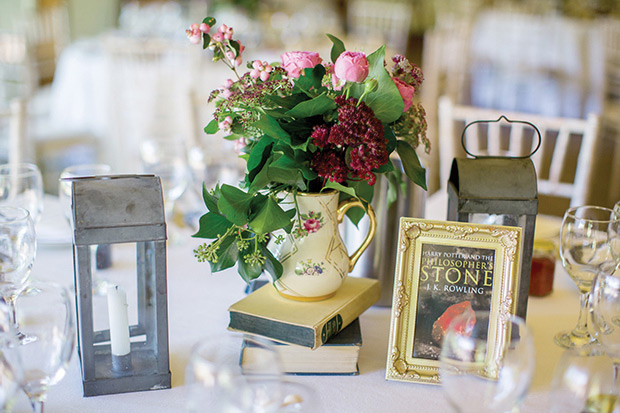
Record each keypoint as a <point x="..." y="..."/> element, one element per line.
<point x="123" y="357"/>
<point x="498" y="190"/>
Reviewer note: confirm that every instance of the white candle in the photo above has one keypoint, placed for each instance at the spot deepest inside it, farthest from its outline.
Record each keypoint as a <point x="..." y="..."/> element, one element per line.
<point x="119" y="321"/>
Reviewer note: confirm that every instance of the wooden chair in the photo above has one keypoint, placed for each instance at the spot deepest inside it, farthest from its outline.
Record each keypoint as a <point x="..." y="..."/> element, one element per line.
<point x="564" y="161"/>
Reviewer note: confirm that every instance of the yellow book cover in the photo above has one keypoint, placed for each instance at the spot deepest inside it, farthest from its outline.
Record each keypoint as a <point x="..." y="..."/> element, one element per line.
<point x="310" y="324"/>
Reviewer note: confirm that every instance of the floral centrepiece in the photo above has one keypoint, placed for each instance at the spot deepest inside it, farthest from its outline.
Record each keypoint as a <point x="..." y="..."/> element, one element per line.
<point x="303" y="125"/>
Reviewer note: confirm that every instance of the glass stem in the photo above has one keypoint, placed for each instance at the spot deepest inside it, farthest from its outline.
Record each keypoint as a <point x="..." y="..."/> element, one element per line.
<point x="37" y="405"/>
<point x="581" y="330"/>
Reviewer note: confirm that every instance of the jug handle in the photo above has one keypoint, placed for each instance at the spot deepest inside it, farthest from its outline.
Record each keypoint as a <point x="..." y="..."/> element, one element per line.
<point x="342" y="209"/>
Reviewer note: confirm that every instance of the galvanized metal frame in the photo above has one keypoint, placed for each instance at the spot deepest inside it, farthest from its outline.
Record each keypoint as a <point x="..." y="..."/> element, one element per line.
<point x="122" y="209"/>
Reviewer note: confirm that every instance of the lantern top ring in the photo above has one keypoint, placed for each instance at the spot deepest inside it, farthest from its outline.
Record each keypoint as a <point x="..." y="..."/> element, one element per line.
<point x="499" y="120"/>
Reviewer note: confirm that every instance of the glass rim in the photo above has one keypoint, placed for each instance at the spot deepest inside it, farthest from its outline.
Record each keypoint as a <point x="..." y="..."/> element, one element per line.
<point x="22" y="168"/>
<point x="71" y="168"/>
<point x="23" y="213"/>
<point x="611" y="212"/>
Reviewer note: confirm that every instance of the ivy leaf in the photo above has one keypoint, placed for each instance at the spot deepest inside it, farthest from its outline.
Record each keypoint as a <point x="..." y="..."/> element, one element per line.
<point x="209" y="21"/>
<point x="212" y="128"/>
<point x="206" y="39"/>
<point x="258" y="156"/>
<point x="310" y="80"/>
<point x="339" y="187"/>
<point x="247" y="271"/>
<point x="271" y="127"/>
<point x="210" y="199"/>
<point x="226" y="254"/>
<point x="337" y="47"/>
<point x="271" y="217"/>
<point x="287" y="102"/>
<point x="234" y="204"/>
<point x="212" y="225"/>
<point x="272" y="265"/>
<point x="388" y="134"/>
<point x="394" y="179"/>
<point x="316" y="106"/>
<point x="411" y="164"/>
<point x="386" y="102"/>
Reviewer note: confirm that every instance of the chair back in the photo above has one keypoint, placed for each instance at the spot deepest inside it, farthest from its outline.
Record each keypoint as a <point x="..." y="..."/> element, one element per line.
<point x="564" y="161"/>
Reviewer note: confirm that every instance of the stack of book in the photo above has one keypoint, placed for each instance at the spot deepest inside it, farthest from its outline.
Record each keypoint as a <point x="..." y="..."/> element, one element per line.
<point x="321" y="337"/>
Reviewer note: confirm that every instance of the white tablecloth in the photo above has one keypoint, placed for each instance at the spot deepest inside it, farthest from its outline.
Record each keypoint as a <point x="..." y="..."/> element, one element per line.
<point x="197" y="308"/>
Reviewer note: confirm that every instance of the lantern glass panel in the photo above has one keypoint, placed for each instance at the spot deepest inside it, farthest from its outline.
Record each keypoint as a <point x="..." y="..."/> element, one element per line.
<point x="498" y="219"/>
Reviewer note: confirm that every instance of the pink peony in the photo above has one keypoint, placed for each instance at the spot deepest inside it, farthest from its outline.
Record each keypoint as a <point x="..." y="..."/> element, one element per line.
<point x="295" y="62"/>
<point x="406" y="92"/>
<point x="351" y="66"/>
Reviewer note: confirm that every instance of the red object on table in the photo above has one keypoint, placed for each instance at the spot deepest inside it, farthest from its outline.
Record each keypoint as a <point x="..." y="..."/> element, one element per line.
<point x="543" y="268"/>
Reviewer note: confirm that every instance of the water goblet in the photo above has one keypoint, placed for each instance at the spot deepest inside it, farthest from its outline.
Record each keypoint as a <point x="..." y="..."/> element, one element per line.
<point x="167" y="158"/>
<point x="11" y="374"/>
<point x="44" y="314"/>
<point x="17" y="252"/>
<point x="587" y="238"/>
<point x="100" y="286"/>
<point x="216" y="382"/>
<point x="21" y="185"/>
<point x="605" y="317"/>
<point x="486" y="364"/>
<point x="583" y="381"/>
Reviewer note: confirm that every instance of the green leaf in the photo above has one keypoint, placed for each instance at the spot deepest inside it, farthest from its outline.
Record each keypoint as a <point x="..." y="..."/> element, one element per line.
<point x="246" y="271"/>
<point x="234" y="204"/>
<point x="212" y="127"/>
<point x="227" y="254"/>
<point x="212" y="225"/>
<point x="394" y="180"/>
<point x="272" y="265"/>
<point x="363" y="191"/>
<point x="210" y="199"/>
<point x="270" y="217"/>
<point x="411" y="164"/>
<point x="206" y="39"/>
<point x="337" y="47"/>
<point x="339" y="187"/>
<point x="259" y="154"/>
<point x="388" y="134"/>
<point x="209" y="21"/>
<point x="271" y="127"/>
<point x="310" y="81"/>
<point x="316" y="106"/>
<point x="386" y="102"/>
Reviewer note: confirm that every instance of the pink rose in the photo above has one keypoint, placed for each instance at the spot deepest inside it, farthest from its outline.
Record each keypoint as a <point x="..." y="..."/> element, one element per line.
<point x="312" y="225"/>
<point x="351" y="66"/>
<point x="295" y="62"/>
<point x="406" y="92"/>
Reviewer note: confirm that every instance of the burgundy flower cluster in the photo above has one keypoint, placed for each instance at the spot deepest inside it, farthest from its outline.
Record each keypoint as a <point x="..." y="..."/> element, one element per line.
<point x="352" y="147"/>
<point x="407" y="72"/>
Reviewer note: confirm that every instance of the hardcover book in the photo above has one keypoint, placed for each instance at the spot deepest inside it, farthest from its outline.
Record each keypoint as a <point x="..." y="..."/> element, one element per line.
<point x="338" y="356"/>
<point x="310" y="324"/>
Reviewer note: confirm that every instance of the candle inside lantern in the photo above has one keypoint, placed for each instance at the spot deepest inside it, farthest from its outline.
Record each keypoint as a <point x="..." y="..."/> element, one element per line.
<point x="119" y="321"/>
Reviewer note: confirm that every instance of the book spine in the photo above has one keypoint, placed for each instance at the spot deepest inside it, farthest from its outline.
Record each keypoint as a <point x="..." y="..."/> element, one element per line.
<point x="346" y="315"/>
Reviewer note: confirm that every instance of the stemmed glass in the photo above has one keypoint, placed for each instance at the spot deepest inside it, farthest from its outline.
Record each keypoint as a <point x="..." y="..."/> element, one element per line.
<point x="11" y="374"/>
<point x="44" y="314"/>
<point x="17" y="252"/>
<point x="605" y="316"/>
<point x="167" y="158"/>
<point x="64" y="194"/>
<point x="583" y="381"/>
<point x="22" y="185"/>
<point x="216" y="382"/>
<point x="485" y="364"/>
<point x="587" y="238"/>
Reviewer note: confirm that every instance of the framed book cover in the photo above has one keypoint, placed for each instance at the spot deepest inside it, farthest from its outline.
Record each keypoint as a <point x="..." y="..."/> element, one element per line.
<point x="442" y="270"/>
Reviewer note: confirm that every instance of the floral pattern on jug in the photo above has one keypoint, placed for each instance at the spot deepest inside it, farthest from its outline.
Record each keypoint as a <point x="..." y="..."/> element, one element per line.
<point x="314" y="257"/>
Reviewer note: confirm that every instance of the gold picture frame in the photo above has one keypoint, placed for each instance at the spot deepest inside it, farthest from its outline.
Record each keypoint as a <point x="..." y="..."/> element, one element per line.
<point x="441" y="268"/>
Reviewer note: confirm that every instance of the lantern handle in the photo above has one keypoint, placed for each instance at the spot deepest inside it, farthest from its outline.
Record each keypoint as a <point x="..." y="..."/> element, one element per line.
<point x="498" y="120"/>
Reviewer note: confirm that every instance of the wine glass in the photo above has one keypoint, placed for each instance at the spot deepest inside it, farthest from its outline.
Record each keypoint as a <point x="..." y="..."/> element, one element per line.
<point x="217" y="382"/>
<point x="167" y="159"/>
<point x="486" y="364"/>
<point x="17" y="252"/>
<point x="100" y="286"/>
<point x="44" y="314"/>
<point x="21" y="185"/>
<point x="583" y="381"/>
<point x="605" y="316"/>
<point x="11" y="374"/>
<point x="587" y="236"/>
